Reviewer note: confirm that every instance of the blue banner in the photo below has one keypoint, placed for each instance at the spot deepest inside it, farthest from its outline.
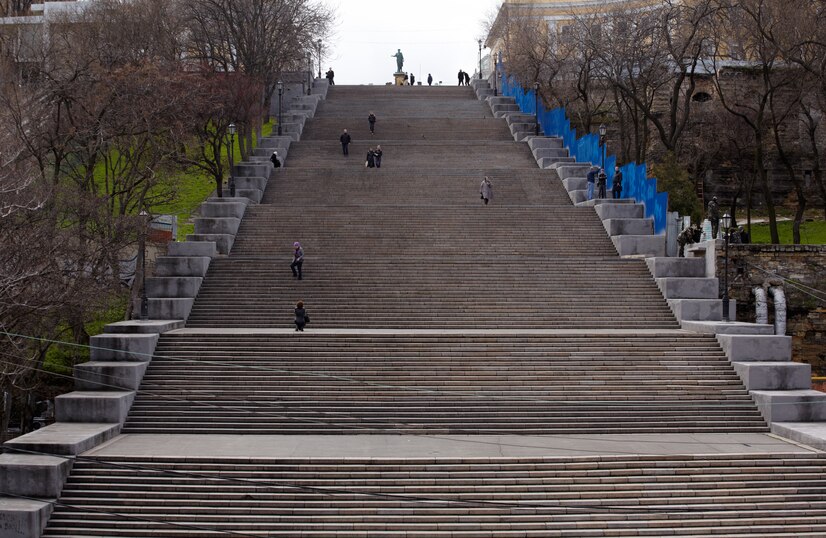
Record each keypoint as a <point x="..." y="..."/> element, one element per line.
<point x="586" y="149"/>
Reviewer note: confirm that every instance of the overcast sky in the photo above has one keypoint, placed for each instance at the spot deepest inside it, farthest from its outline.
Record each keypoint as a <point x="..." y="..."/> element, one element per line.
<point x="435" y="36"/>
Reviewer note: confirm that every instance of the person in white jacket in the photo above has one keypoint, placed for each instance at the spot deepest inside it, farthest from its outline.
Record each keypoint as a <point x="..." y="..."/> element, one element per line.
<point x="486" y="190"/>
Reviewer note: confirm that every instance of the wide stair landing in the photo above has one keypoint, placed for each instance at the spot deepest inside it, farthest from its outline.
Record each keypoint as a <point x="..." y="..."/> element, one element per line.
<point x="473" y="384"/>
<point x="690" y="496"/>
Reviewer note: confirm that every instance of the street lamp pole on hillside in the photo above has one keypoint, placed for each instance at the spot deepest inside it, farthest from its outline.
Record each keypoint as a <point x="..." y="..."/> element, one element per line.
<point x="309" y="74"/>
<point x="480" y="59"/>
<point x="144" y="297"/>
<point x="280" y="86"/>
<point x="318" y="45"/>
<point x="726" y="224"/>
<point x="536" y="105"/>
<point x="603" y="132"/>
<point x="231" y="130"/>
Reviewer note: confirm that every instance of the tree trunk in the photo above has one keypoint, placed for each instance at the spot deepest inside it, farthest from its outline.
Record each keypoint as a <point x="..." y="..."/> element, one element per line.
<point x="767" y="195"/>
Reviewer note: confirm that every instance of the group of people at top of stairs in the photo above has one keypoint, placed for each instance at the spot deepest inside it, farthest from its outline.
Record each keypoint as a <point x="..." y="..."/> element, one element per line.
<point x="374" y="154"/>
<point x="464" y="78"/>
<point x="598" y="179"/>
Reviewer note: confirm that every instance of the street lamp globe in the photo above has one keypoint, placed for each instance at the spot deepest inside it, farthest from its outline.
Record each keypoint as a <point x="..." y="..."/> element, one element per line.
<point x="726" y="222"/>
<point x="603" y="130"/>
<point x="231" y="129"/>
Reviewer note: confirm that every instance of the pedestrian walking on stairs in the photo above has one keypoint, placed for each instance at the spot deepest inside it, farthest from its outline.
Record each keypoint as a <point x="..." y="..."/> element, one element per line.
<point x="371" y="119"/>
<point x="486" y="190"/>
<point x="298" y="260"/>
<point x="345" y="142"/>
<point x="301" y="317"/>
<point x="378" y="153"/>
<point x="602" y="181"/>
<point x="371" y="159"/>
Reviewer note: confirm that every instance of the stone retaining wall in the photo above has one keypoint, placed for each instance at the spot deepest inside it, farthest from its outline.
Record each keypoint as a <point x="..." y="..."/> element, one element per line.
<point x="804" y="264"/>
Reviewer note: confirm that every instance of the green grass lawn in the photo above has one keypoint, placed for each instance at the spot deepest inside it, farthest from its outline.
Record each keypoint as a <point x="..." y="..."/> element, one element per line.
<point x="811" y="233"/>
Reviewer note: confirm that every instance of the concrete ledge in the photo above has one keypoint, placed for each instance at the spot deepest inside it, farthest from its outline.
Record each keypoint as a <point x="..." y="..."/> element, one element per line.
<point x="730" y="327"/>
<point x="223" y="209"/>
<point x="791" y="405"/>
<point x="33" y="475"/>
<point x="170" y="307"/>
<point x="551" y="153"/>
<point x="689" y="288"/>
<point x="545" y="142"/>
<point x="610" y="210"/>
<point x="110" y="347"/>
<point x="93" y="406"/>
<point x="193" y="248"/>
<point x="606" y="201"/>
<point x="501" y="100"/>
<point x="564" y="171"/>
<point x="251" y="195"/>
<point x="223" y="242"/>
<point x="182" y="266"/>
<point x="756" y="348"/>
<point x="812" y="434"/>
<point x="548" y="163"/>
<point x="676" y="267"/>
<point x="252" y="182"/>
<point x="575" y="184"/>
<point x="65" y="438"/>
<point x="577" y="196"/>
<point x="227" y="199"/>
<point x="173" y="286"/>
<point x="218" y="226"/>
<point x="700" y="309"/>
<point x="97" y="376"/>
<point x="250" y="169"/>
<point x="628" y="226"/>
<point x="774" y="375"/>
<point x="22" y="518"/>
<point x="639" y="245"/>
<point x="143" y="327"/>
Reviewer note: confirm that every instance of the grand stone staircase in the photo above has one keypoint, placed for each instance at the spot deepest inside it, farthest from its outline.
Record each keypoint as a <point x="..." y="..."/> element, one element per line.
<point x="433" y="316"/>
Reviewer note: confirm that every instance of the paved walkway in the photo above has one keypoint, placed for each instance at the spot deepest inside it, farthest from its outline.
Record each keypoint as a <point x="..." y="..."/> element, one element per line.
<point x="438" y="446"/>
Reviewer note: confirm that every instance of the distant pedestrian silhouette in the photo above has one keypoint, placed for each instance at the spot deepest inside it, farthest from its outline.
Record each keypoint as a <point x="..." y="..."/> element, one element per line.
<point x="345" y="142"/>
<point x="429" y="79"/>
<point x="461" y="77"/>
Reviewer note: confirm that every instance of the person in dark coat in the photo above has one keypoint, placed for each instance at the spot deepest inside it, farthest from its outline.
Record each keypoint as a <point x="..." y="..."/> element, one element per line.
<point x="467" y="79"/>
<point x="298" y="260"/>
<point x="617" y="188"/>
<point x="378" y="153"/>
<point x="345" y="142"/>
<point x="274" y="160"/>
<point x="371" y="159"/>
<point x="330" y="76"/>
<point x="429" y="79"/>
<point x="371" y="119"/>
<point x="301" y="317"/>
<point x="461" y="77"/>
<point x="591" y="179"/>
<point x="602" y="180"/>
<point x="412" y="80"/>
<point x="714" y="217"/>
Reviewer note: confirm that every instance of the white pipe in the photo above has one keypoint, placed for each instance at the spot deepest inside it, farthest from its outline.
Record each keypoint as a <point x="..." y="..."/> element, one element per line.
<point x="761" y="305"/>
<point x="779" y="297"/>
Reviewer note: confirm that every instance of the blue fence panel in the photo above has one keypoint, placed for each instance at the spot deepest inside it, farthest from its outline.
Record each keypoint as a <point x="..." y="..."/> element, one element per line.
<point x="635" y="182"/>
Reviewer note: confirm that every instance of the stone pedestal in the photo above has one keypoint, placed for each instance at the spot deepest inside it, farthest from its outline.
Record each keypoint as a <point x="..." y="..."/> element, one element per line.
<point x="398" y="79"/>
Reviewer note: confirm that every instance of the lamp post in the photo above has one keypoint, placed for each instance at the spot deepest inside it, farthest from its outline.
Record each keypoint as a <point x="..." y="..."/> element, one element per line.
<point x="318" y="46"/>
<point x="144" y="299"/>
<point x="480" y="59"/>
<point x="309" y="74"/>
<point x="603" y="132"/>
<point x="231" y="129"/>
<point x="280" y="86"/>
<point x="536" y="105"/>
<point x="496" y="74"/>
<point x="726" y="223"/>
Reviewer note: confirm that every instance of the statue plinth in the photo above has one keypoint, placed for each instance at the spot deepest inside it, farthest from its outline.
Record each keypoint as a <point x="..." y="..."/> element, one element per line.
<point x="398" y="78"/>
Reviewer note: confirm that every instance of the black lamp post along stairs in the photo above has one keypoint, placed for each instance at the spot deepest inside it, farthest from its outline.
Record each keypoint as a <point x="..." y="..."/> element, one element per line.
<point x="231" y="130"/>
<point x="480" y="59"/>
<point x="536" y="106"/>
<point x="726" y="222"/>
<point x="280" y="86"/>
